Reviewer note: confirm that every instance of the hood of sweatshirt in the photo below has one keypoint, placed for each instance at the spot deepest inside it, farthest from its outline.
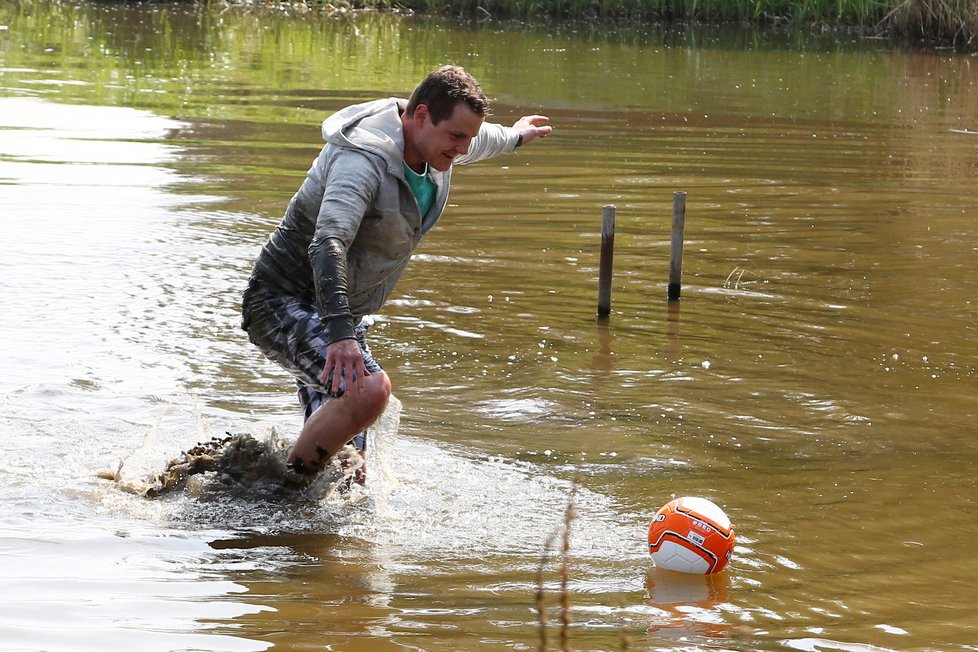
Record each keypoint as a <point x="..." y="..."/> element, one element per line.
<point x="373" y="126"/>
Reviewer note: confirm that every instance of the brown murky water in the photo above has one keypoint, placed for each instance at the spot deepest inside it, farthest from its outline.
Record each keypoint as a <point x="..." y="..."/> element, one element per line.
<point x="817" y="379"/>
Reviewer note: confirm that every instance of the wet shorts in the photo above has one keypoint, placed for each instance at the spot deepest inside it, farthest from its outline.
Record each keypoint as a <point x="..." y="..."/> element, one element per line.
<point x="288" y="331"/>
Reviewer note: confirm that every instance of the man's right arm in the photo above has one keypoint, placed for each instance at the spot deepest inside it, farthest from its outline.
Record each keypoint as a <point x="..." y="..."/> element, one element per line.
<point x="328" y="259"/>
<point x="351" y="187"/>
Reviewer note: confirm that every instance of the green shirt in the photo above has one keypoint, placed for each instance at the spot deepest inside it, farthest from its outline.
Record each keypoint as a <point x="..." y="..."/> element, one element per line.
<point x="424" y="191"/>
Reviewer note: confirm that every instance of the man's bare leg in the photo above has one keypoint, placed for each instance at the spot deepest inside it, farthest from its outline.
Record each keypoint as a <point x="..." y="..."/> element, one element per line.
<point x="337" y="421"/>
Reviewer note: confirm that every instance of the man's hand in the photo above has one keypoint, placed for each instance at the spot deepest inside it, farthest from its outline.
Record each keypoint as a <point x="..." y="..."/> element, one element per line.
<point x="533" y="127"/>
<point x="344" y="362"/>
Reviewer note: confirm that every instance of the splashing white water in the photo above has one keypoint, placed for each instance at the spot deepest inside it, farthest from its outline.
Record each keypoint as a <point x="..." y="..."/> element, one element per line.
<point x="424" y="499"/>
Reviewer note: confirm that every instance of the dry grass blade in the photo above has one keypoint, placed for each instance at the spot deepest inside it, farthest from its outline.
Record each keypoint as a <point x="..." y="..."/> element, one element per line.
<point x="564" y="570"/>
<point x="569" y="514"/>
<point x="541" y="593"/>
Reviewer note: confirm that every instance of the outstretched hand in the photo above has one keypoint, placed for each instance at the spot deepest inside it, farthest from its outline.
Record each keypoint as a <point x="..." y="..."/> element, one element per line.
<point x="533" y="127"/>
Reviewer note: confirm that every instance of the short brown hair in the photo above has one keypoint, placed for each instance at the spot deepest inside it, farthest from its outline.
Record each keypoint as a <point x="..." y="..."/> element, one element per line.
<point x="442" y="89"/>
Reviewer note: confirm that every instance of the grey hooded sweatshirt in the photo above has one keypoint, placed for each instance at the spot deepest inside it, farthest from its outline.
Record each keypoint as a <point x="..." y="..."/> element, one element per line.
<point x="350" y="230"/>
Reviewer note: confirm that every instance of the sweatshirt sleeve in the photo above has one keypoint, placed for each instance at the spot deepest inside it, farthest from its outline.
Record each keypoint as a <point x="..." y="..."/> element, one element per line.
<point x="493" y="140"/>
<point x="351" y="187"/>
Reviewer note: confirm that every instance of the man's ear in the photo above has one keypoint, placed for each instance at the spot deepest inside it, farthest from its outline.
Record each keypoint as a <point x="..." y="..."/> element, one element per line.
<point x="421" y="113"/>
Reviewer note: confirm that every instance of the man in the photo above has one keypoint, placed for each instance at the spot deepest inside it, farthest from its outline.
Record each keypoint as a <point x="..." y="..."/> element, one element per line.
<point x="378" y="185"/>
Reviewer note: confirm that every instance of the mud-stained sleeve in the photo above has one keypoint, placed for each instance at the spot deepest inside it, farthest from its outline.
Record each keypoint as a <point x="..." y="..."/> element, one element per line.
<point x="352" y="185"/>
<point x="492" y="140"/>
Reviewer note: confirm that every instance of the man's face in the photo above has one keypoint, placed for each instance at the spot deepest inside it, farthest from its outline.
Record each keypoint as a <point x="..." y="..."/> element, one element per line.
<point x="440" y="144"/>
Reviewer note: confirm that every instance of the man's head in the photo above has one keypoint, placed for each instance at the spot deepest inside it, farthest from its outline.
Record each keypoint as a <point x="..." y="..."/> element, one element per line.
<point x="442" y="89"/>
<point x="442" y="118"/>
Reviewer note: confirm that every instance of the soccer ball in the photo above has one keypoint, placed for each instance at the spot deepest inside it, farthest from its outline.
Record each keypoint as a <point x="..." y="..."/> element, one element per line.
<point x="691" y="535"/>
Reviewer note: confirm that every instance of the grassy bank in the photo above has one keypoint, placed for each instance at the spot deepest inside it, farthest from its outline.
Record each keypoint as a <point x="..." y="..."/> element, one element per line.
<point x="936" y="22"/>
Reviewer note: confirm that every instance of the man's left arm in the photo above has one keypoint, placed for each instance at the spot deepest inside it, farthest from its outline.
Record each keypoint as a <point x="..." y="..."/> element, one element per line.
<point x="495" y="139"/>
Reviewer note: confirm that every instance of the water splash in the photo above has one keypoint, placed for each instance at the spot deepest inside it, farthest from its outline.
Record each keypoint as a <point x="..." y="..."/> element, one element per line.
<point x="244" y="465"/>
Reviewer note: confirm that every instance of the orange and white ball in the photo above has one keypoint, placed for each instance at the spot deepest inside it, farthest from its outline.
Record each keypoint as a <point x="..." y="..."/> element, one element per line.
<point x="691" y="535"/>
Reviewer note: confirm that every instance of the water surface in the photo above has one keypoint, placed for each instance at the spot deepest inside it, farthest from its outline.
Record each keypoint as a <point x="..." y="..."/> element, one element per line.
<point x="817" y="379"/>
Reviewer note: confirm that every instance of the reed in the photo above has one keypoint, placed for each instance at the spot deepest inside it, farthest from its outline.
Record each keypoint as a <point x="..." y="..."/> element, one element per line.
<point x="944" y="22"/>
<point x="563" y="534"/>
<point x="560" y="539"/>
<point x="565" y="604"/>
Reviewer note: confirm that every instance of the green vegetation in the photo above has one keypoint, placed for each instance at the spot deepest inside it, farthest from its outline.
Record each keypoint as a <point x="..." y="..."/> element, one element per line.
<point x="951" y="21"/>
<point x="940" y="22"/>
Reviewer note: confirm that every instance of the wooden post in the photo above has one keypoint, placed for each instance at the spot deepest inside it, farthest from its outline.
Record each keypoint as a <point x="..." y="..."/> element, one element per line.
<point x="676" y="256"/>
<point x="607" y="258"/>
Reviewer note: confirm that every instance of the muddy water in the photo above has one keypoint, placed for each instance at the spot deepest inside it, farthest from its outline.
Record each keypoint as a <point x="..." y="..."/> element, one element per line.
<point x="817" y="378"/>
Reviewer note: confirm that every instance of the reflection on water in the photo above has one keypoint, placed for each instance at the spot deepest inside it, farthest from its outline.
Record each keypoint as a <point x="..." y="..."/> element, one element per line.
<point x="688" y="605"/>
<point x="816" y="380"/>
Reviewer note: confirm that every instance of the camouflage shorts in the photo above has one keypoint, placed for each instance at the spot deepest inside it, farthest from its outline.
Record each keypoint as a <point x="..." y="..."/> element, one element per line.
<point x="288" y="331"/>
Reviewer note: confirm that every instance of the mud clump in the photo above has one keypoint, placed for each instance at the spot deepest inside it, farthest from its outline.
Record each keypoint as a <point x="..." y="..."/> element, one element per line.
<point x="244" y="464"/>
